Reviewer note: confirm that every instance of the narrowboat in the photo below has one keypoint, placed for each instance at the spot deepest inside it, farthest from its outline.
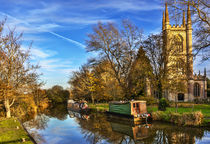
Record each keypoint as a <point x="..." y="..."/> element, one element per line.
<point x="75" y="106"/>
<point x="135" y="109"/>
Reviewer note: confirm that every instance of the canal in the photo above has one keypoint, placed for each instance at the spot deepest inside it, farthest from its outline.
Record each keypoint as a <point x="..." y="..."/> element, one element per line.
<point x="59" y="126"/>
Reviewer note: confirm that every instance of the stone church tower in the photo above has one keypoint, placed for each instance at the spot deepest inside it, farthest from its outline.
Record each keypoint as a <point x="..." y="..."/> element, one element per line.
<point x="178" y="46"/>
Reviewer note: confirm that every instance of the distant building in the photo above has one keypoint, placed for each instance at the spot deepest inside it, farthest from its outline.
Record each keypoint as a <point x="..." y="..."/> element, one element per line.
<point x="181" y="36"/>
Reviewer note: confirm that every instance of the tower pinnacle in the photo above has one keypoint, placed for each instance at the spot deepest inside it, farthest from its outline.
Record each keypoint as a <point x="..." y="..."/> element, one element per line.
<point x="166" y="14"/>
<point x="163" y="22"/>
<point x="183" y="20"/>
<point x="188" y="16"/>
<point x="205" y="72"/>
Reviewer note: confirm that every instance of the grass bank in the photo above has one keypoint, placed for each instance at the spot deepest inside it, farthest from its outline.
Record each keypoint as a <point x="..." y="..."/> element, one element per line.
<point x="100" y="107"/>
<point x="186" y="118"/>
<point x="11" y="132"/>
<point x="204" y="108"/>
<point x="184" y="110"/>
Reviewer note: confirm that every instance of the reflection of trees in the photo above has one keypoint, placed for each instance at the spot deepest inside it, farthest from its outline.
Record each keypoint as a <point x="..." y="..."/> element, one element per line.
<point x="97" y="128"/>
<point x="39" y="122"/>
<point x="39" y="139"/>
<point x="167" y="133"/>
<point x="58" y="111"/>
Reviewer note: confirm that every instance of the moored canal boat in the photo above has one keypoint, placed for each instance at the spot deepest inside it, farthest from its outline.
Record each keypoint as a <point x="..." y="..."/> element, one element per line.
<point x="75" y="106"/>
<point x="135" y="109"/>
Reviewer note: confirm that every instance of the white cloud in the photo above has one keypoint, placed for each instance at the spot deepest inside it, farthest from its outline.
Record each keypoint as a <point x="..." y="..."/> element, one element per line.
<point x="32" y="38"/>
<point x="29" y="28"/>
<point x="128" y="5"/>
<point x="38" y="53"/>
<point x="48" y="8"/>
<point x="54" y="64"/>
<point x="42" y="54"/>
<point x="117" y="5"/>
<point x="85" y="20"/>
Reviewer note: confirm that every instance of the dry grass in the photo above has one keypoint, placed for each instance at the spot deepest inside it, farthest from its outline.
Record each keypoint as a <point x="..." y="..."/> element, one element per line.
<point x="187" y="118"/>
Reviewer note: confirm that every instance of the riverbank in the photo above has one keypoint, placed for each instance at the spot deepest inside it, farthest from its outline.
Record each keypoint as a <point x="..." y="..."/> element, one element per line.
<point x="100" y="107"/>
<point x="12" y="132"/>
<point x="184" y="110"/>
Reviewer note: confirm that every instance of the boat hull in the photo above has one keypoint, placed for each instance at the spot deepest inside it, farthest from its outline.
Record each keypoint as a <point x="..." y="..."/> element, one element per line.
<point x="128" y="118"/>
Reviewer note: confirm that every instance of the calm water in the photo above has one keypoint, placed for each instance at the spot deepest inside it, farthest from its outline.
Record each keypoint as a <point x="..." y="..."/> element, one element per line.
<point x="58" y="126"/>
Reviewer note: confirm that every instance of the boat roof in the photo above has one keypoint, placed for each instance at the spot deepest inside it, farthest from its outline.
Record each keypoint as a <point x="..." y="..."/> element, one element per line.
<point x="125" y="102"/>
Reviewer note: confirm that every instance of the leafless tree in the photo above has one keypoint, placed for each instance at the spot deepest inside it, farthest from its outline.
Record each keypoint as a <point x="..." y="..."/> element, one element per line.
<point x="117" y="46"/>
<point x="16" y="72"/>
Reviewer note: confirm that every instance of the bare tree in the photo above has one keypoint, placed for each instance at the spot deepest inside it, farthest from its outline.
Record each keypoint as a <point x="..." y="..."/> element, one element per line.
<point x="169" y="67"/>
<point x="16" y="72"/>
<point x="117" y="46"/>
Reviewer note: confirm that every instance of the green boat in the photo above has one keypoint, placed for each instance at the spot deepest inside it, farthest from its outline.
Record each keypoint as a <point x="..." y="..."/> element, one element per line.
<point x="134" y="109"/>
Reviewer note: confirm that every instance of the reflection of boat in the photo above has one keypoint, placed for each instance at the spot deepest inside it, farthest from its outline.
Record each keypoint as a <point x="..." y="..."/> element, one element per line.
<point x="137" y="132"/>
<point x="136" y="110"/>
<point x="73" y="114"/>
<point x="80" y="106"/>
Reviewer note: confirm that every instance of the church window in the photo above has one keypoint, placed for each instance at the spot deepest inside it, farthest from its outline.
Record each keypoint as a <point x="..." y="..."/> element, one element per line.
<point x="178" y="43"/>
<point x="180" y="97"/>
<point x="196" y="90"/>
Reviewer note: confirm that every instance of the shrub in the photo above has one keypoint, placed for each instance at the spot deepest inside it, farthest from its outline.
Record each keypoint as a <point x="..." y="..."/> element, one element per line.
<point x="176" y="118"/>
<point x="189" y="118"/>
<point x="157" y="115"/>
<point x="202" y="101"/>
<point x="163" y="103"/>
<point x="149" y="100"/>
<point x="192" y="118"/>
<point x="160" y="115"/>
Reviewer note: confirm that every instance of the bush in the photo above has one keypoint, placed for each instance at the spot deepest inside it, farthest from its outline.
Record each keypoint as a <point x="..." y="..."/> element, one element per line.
<point x="160" y="115"/>
<point x="176" y="118"/>
<point x="149" y="100"/>
<point x="163" y="103"/>
<point x="202" y="101"/>
<point x="188" y="118"/>
<point x="192" y="118"/>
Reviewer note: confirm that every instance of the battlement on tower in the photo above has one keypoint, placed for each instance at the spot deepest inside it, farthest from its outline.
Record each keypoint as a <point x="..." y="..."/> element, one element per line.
<point x="176" y="27"/>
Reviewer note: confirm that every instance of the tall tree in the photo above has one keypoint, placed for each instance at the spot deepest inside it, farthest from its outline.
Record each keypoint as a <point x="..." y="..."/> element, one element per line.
<point x="57" y="95"/>
<point x="16" y="72"/>
<point x="140" y="74"/>
<point x="169" y="67"/>
<point x="153" y="45"/>
<point x="118" y="47"/>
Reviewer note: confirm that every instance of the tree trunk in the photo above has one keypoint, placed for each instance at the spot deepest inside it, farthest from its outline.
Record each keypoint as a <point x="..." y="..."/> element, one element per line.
<point x="92" y="97"/>
<point x="7" y="107"/>
<point x="160" y="90"/>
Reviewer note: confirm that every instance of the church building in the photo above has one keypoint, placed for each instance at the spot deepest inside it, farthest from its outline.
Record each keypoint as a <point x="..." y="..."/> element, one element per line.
<point x="179" y="38"/>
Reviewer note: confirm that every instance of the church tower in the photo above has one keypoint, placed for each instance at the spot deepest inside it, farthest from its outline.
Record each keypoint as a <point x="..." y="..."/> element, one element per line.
<point x="178" y="39"/>
<point x="179" y="60"/>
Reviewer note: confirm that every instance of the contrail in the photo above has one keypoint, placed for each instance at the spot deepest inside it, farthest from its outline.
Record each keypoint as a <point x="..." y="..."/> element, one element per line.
<point x="70" y="40"/>
<point x="53" y="33"/>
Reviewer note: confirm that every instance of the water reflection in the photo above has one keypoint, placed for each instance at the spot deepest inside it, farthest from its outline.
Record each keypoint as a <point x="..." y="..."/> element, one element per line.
<point x="58" y="126"/>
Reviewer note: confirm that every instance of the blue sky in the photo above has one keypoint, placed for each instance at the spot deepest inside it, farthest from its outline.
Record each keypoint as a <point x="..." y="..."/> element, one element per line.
<point x="59" y="28"/>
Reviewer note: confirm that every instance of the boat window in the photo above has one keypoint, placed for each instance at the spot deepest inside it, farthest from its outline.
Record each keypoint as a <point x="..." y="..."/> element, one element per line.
<point x="137" y="105"/>
<point x="134" y="105"/>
